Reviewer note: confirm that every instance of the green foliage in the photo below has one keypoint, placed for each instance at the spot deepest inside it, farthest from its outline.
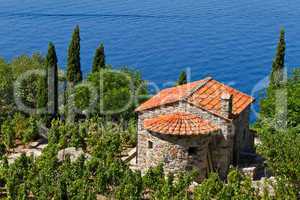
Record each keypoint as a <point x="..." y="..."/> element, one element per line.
<point x="16" y="177"/>
<point x="74" y="74"/>
<point x="281" y="149"/>
<point x="6" y="90"/>
<point x="82" y="98"/>
<point x="119" y="92"/>
<point x="67" y="134"/>
<point x="181" y="185"/>
<point x="278" y="127"/>
<point x="54" y="132"/>
<point x="182" y="78"/>
<point x="24" y="128"/>
<point x="131" y="186"/>
<point x="8" y="134"/>
<point x="20" y="124"/>
<point x="52" y="82"/>
<point x="31" y="133"/>
<point x="41" y="93"/>
<point x="161" y="186"/>
<point x="105" y="174"/>
<point x="113" y="127"/>
<point x="99" y="59"/>
<point x="2" y="150"/>
<point x="209" y="188"/>
<point x="129" y="133"/>
<point x="278" y="63"/>
<point x="19" y="127"/>
<point x="237" y="187"/>
<point x="25" y="63"/>
<point x="154" y="178"/>
<point x="29" y="89"/>
<point x="280" y="144"/>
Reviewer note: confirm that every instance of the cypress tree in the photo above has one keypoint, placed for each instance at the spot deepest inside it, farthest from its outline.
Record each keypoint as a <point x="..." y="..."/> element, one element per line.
<point x="182" y="78"/>
<point x="278" y="62"/>
<point x="51" y="62"/>
<point x="74" y="74"/>
<point x="42" y="94"/>
<point x="99" y="59"/>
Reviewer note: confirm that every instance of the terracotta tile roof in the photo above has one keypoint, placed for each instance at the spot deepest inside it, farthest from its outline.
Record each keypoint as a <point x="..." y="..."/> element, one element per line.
<point x="205" y="94"/>
<point x="170" y="95"/>
<point x="180" y="123"/>
<point x="209" y="97"/>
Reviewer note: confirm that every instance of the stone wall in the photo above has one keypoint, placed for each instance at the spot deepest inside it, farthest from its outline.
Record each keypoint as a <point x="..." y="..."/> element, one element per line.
<point x="220" y="146"/>
<point x="173" y="152"/>
<point x="243" y="136"/>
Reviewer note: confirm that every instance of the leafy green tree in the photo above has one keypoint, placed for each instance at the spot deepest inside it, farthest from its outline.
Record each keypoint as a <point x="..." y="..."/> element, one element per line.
<point x="99" y="59"/>
<point x="74" y="74"/>
<point x="29" y="90"/>
<point x="278" y="63"/>
<point x="24" y="63"/>
<point x="182" y="78"/>
<point x="52" y="68"/>
<point x="119" y="92"/>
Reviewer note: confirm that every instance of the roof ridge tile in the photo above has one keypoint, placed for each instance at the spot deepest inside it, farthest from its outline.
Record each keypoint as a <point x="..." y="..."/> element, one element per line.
<point x="197" y="87"/>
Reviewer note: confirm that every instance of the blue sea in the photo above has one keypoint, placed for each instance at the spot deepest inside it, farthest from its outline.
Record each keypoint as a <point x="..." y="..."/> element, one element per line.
<point x="232" y="40"/>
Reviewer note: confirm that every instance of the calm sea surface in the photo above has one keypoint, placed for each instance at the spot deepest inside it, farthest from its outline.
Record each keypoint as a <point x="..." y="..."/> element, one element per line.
<point x="232" y="40"/>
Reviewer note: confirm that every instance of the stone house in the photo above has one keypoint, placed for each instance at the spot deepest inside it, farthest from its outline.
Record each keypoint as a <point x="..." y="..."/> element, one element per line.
<point x="202" y="125"/>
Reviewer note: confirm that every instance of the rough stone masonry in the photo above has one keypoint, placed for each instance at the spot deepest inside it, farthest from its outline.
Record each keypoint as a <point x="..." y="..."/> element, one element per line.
<point x="213" y="151"/>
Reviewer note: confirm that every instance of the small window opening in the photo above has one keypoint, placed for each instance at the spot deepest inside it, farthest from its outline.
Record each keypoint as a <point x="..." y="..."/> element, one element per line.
<point x="244" y="135"/>
<point x="150" y="145"/>
<point x="192" y="151"/>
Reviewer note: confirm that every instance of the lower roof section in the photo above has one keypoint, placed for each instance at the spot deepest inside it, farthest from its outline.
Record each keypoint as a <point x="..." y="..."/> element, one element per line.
<point x="180" y="124"/>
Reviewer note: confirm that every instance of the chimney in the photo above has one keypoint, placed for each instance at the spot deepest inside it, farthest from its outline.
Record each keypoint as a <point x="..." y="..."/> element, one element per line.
<point x="226" y="105"/>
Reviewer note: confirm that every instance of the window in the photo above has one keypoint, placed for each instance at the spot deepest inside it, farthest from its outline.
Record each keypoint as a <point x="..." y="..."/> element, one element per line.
<point x="150" y="145"/>
<point x="244" y="134"/>
<point x="192" y="151"/>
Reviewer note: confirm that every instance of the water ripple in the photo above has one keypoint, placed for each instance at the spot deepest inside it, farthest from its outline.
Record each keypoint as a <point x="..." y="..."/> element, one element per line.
<point x="8" y="14"/>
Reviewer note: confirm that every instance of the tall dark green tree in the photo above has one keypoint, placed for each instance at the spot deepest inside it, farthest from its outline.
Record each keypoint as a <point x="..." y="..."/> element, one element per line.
<point x="182" y="78"/>
<point x="99" y="59"/>
<point x="74" y="74"/>
<point x="51" y="63"/>
<point x="42" y="93"/>
<point x="278" y="63"/>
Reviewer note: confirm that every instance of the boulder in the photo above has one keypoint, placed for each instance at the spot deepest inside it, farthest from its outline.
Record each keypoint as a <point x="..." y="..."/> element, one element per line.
<point x="73" y="153"/>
